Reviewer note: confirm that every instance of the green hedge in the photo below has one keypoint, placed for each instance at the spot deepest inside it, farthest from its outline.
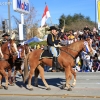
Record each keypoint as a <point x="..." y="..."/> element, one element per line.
<point x="35" y="43"/>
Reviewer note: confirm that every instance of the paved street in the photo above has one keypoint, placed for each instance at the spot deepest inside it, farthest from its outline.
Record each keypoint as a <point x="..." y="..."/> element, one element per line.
<point x="87" y="88"/>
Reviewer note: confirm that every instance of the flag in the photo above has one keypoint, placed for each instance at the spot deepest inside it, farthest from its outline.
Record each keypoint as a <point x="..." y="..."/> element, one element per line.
<point x="99" y="11"/>
<point x="45" y="16"/>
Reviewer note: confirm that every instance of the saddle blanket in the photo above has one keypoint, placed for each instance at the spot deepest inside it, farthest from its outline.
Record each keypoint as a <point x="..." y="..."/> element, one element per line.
<point x="48" y="54"/>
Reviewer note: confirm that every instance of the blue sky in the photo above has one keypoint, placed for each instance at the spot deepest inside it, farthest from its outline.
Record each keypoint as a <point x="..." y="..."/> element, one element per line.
<point x="56" y="8"/>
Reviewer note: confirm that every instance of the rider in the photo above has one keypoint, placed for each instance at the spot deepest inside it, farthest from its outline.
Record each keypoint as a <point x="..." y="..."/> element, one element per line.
<point x="5" y="37"/>
<point x="52" y="42"/>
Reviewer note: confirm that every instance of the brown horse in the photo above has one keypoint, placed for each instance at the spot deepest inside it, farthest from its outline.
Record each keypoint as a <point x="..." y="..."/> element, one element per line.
<point x="9" y="51"/>
<point x="66" y="59"/>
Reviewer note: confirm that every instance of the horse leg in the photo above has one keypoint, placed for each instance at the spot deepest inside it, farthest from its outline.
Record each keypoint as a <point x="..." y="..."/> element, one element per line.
<point x="74" y="74"/>
<point x="68" y="76"/>
<point x="36" y="74"/>
<point x="14" y="77"/>
<point x="1" y="76"/>
<point x="41" y="70"/>
<point x="6" y="78"/>
<point x="10" y="78"/>
<point x="29" y="86"/>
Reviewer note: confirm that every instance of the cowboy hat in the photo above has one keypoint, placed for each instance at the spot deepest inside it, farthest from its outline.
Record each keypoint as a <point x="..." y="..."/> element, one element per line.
<point x="5" y="34"/>
<point x="52" y="28"/>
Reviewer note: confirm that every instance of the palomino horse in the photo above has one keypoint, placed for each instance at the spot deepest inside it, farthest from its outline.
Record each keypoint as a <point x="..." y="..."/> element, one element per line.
<point x="9" y="51"/>
<point x="66" y="59"/>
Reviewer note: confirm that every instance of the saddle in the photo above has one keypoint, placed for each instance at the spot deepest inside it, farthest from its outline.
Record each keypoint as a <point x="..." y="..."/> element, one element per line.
<point x="47" y="54"/>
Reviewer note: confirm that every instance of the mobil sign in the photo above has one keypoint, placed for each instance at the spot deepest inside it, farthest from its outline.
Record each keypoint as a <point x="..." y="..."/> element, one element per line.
<point x="21" y="6"/>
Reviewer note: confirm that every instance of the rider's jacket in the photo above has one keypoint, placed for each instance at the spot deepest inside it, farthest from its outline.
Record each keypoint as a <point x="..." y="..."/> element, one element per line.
<point x="52" y="39"/>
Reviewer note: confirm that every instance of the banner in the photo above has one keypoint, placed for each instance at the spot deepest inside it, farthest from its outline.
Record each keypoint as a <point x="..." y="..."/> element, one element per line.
<point x="98" y="13"/>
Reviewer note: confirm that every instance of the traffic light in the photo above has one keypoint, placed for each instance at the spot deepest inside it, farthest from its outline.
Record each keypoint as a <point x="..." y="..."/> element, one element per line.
<point x="4" y="26"/>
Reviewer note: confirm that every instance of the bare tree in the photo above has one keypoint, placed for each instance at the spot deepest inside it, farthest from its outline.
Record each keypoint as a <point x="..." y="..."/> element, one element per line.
<point x="31" y="23"/>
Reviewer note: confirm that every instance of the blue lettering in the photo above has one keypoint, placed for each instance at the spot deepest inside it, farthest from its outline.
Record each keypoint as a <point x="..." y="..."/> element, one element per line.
<point x="25" y="7"/>
<point x="22" y="6"/>
<point x="18" y="3"/>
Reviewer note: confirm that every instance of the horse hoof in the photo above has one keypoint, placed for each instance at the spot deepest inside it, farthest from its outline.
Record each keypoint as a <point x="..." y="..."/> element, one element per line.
<point x="36" y="85"/>
<point x="11" y="84"/>
<point x="72" y="86"/>
<point x="63" y="86"/>
<point x="69" y="89"/>
<point x="31" y="89"/>
<point x="48" y="88"/>
<point x="6" y="88"/>
<point x="1" y="87"/>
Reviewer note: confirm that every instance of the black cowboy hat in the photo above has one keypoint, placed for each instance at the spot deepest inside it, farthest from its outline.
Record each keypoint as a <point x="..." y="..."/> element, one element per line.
<point x="18" y="45"/>
<point x="52" y="28"/>
<point x="5" y="34"/>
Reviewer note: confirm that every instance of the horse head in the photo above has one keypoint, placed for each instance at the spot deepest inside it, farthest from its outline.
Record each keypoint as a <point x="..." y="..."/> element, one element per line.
<point x="21" y="50"/>
<point x="9" y="48"/>
<point x="13" y="47"/>
<point x="27" y="50"/>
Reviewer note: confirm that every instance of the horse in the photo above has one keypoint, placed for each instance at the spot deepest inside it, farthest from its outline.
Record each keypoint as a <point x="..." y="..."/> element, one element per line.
<point x="9" y="51"/>
<point x="66" y="60"/>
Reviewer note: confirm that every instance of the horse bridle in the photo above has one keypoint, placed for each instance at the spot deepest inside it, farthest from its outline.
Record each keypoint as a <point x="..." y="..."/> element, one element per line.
<point x="10" y="53"/>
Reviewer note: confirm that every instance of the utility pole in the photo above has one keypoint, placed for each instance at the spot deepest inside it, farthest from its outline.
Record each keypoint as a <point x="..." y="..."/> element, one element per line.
<point x="9" y="28"/>
<point x="95" y="12"/>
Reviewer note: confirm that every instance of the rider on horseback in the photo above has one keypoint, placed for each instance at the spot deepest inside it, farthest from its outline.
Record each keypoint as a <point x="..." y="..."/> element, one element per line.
<point x="52" y="42"/>
<point x="2" y="41"/>
<point x="5" y="37"/>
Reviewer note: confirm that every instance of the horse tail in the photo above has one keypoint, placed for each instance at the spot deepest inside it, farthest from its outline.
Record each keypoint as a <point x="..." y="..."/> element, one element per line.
<point x="26" y="67"/>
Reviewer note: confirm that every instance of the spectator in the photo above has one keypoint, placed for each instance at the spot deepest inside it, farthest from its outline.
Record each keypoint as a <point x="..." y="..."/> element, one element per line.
<point x="86" y="29"/>
<point x="83" y="57"/>
<point x="34" y="47"/>
<point x="80" y="36"/>
<point x="38" y="46"/>
<point x="98" y="64"/>
<point x="71" y="37"/>
<point x="42" y="46"/>
<point x="94" y="30"/>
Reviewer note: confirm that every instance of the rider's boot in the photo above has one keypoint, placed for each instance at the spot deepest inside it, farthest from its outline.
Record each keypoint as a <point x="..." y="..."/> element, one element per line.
<point x="55" y="67"/>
